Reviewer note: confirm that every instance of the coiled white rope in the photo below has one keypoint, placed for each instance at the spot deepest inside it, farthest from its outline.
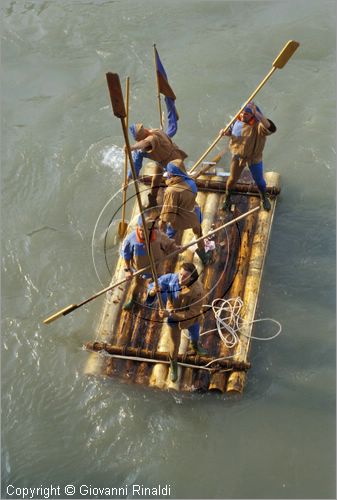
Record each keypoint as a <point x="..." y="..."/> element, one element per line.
<point x="228" y="318"/>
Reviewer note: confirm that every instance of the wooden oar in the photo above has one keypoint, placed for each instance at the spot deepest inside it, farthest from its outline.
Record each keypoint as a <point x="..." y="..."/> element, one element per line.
<point x="123" y="226"/>
<point x="279" y="62"/>
<point x="117" y="102"/>
<point x="73" y="307"/>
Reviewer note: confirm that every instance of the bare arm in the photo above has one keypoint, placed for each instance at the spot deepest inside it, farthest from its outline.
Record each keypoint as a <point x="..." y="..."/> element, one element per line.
<point x="260" y="116"/>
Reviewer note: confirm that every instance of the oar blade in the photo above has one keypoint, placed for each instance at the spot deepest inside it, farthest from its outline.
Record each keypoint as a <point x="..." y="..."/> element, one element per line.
<point x="62" y="312"/>
<point x="116" y="95"/>
<point x="285" y="54"/>
<point x="122" y="228"/>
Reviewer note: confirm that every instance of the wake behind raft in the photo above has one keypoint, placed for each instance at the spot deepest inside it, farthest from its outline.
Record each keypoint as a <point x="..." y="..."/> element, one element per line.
<point x="133" y="346"/>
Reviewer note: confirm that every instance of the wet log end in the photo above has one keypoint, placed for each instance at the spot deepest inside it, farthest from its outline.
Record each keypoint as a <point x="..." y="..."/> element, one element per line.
<point x="236" y="382"/>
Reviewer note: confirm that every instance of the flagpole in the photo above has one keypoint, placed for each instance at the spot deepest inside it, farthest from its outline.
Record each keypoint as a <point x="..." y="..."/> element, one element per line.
<point x="158" y="95"/>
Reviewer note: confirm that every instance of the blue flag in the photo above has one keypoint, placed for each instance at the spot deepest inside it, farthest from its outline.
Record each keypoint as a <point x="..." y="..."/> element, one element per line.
<point x="166" y="90"/>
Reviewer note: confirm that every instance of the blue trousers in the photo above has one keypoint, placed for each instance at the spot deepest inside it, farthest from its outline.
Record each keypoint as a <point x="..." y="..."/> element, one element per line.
<point x="236" y="169"/>
<point x="256" y="169"/>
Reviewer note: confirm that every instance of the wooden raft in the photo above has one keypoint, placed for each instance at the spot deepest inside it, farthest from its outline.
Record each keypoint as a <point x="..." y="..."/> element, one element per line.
<point x="236" y="272"/>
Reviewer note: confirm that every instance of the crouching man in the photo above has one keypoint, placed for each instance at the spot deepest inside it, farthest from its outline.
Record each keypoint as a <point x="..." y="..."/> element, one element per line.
<point x="183" y="296"/>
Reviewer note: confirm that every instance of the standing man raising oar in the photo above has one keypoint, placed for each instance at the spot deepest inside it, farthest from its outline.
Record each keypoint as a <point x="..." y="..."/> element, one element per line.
<point x="247" y="140"/>
<point x="279" y="63"/>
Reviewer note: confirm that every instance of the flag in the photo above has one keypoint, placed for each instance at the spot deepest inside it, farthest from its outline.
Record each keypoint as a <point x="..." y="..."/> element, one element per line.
<point x="163" y="84"/>
<point x="165" y="89"/>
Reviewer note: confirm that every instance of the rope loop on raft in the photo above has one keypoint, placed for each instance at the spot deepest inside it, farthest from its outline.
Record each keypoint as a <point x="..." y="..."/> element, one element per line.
<point x="227" y="313"/>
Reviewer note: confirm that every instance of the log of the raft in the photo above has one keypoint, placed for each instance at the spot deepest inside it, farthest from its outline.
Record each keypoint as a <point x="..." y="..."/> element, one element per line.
<point x="208" y="206"/>
<point x="150" y="336"/>
<point x="160" y="374"/>
<point x="195" y="360"/>
<point x="145" y="332"/>
<point x="140" y="320"/>
<point x="222" y="282"/>
<point x="229" y="255"/>
<point x="218" y="184"/>
<point x="218" y="381"/>
<point x="111" y="313"/>
<point x="140" y="330"/>
<point x="96" y="365"/>
<point x="121" y="329"/>
<point x="210" y="217"/>
<point x="184" y="373"/>
<point x="236" y="381"/>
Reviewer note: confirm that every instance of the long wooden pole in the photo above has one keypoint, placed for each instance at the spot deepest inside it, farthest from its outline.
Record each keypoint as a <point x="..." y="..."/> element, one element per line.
<point x="215" y="142"/>
<point x="123" y="226"/>
<point x="158" y="91"/>
<point x="253" y="280"/>
<point x="73" y="307"/>
<point x="209" y="185"/>
<point x="279" y="62"/>
<point x="117" y="102"/>
<point x="237" y="288"/>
